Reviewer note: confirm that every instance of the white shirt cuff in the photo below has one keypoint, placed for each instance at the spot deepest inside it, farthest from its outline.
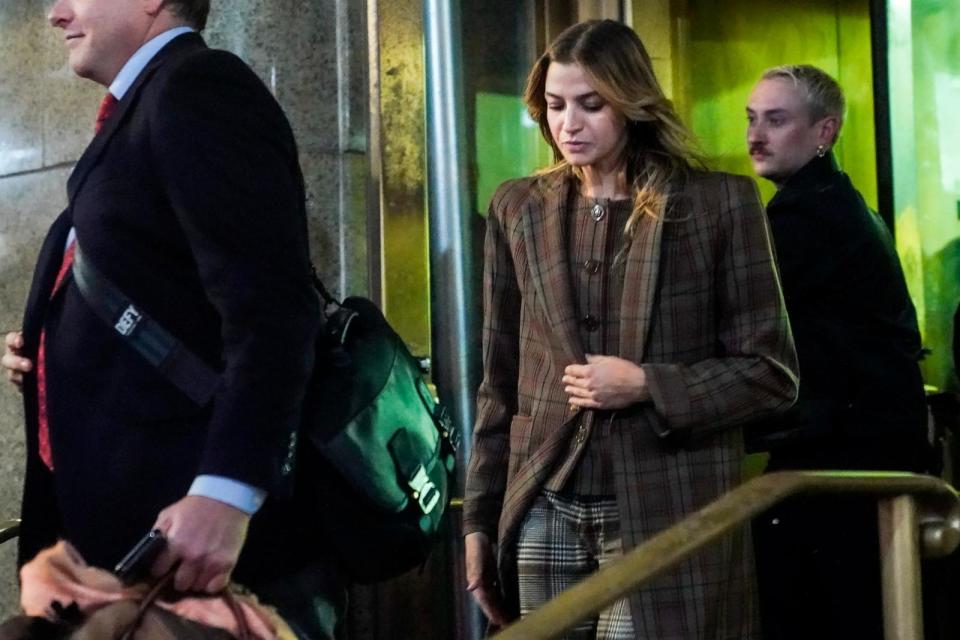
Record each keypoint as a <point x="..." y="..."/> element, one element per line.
<point x="237" y="494"/>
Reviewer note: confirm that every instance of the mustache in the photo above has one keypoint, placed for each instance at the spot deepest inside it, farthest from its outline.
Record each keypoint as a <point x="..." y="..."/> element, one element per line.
<point x="758" y="148"/>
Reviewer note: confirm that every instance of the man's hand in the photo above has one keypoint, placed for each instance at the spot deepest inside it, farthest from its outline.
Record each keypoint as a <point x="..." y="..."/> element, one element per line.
<point x="15" y="364"/>
<point x="605" y="382"/>
<point x="205" y="536"/>
<point x="481" y="568"/>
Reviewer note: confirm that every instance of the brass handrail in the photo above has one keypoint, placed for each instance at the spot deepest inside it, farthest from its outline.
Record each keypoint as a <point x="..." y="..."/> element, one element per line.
<point x="902" y="526"/>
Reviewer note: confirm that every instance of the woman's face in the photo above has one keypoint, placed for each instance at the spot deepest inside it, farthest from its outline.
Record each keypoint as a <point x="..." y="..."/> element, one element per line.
<point x="588" y="131"/>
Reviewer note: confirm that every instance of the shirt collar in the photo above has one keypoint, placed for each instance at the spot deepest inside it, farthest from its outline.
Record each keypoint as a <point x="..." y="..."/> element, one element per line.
<point x="124" y="80"/>
<point x="813" y="176"/>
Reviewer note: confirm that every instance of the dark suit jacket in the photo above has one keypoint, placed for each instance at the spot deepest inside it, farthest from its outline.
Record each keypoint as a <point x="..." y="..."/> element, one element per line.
<point x="191" y="200"/>
<point x="861" y="401"/>
<point x="702" y="311"/>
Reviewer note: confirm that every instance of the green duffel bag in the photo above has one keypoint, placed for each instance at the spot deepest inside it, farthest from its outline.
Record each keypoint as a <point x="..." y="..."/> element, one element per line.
<point x="372" y="418"/>
<point x="380" y="470"/>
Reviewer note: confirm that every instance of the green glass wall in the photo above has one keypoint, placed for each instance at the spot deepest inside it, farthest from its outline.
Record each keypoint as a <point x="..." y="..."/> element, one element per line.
<point x="499" y="45"/>
<point x="723" y="47"/>
<point x="924" y="61"/>
<point x="508" y="143"/>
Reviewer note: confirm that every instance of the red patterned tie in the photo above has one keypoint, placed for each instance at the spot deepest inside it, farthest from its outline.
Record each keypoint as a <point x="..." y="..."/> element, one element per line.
<point x="107" y="106"/>
<point x="44" y="433"/>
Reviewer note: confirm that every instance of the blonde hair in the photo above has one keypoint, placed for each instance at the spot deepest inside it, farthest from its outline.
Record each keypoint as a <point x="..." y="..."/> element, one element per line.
<point x="659" y="152"/>
<point x="820" y="91"/>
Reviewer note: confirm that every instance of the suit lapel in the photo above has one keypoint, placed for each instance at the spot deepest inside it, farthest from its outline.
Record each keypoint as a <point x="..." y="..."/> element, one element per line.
<point x="641" y="272"/>
<point x="543" y="227"/>
<point x="100" y="141"/>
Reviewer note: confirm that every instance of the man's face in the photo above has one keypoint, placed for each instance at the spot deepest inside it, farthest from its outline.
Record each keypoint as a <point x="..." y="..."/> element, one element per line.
<point x="101" y="35"/>
<point x="781" y="135"/>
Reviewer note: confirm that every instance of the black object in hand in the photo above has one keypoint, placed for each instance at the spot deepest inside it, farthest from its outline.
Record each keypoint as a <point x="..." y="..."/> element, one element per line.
<point x="136" y="564"/>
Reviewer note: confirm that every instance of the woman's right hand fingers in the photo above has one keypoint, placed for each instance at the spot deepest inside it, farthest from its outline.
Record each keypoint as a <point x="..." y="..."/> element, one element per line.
<point x="479" y="560"/>
<point x="481" y="569"/>
<point x="13" y="363"/>
<point x="491" y="603"/>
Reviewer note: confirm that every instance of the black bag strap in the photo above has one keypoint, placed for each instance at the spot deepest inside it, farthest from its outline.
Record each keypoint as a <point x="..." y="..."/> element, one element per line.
<point x="318" y="283"/>
<point x="162" y="349"/>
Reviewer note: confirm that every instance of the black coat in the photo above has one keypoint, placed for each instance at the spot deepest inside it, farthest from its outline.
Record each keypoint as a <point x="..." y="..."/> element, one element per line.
<point x="861" y="401"/>
<point x="191" y="200"/>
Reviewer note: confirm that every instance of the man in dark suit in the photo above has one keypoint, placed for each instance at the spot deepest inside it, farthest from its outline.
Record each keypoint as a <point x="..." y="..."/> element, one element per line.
<point x="190" y="199"/>
<point x="861" y="399"/>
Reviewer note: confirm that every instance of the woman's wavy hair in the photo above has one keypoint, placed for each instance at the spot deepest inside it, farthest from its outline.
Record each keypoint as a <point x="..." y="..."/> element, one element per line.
<point x="659" y="153"/>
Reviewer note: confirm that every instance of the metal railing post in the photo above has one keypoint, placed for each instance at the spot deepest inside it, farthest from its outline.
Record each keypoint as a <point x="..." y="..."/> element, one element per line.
<point x="900" y="567"/>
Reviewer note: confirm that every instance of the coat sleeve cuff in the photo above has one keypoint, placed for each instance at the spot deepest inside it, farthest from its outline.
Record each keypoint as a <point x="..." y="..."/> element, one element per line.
<point x="480" y="518"/>
<point x="671" y="399"/>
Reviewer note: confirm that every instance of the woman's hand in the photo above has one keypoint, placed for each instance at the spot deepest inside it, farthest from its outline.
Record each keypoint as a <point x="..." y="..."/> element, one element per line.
<point x="605" y="382"/>
<point x="14" y="364"/>
<point x="482" y="584"/>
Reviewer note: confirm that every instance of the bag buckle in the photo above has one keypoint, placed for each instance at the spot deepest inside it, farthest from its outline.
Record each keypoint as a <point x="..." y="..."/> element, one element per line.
<point x="425" y="492"/>
<point x="128" y="321"/>
<point x="450" y="434"/>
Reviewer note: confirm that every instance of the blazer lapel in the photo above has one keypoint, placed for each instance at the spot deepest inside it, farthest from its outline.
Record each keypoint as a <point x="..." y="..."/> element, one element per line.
<point x="100" y="141"/>
<point x="543" y="227"/>
<point x="641" y="272"/>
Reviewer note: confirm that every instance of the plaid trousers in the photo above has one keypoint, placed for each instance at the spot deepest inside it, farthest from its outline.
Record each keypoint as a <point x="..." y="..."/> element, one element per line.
<point x="562" y="540"/>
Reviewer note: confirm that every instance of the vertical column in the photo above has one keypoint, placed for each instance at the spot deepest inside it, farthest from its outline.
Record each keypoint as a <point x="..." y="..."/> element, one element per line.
<point x="900" y="568"/>
<point x="399" y="112"/>
<point x="313" y="57"/>
<point x="419" y="604"/>
<point x="454" y="290"/>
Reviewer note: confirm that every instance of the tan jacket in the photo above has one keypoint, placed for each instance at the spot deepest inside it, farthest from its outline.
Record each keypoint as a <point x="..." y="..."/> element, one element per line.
<point x="702" y="311"/>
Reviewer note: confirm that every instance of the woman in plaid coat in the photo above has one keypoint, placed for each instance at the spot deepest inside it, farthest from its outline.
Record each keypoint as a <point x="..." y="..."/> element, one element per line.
<point x="633" y="320"/>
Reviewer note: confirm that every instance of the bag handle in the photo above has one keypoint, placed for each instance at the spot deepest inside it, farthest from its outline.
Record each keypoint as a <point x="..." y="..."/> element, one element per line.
<point x="161" y="585"/>
<point x="148" y="601"/>
<point x="243" y="626"/>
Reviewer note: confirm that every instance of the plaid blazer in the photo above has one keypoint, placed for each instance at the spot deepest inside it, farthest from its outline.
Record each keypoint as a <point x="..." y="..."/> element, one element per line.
<point x="703" y="313"/>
